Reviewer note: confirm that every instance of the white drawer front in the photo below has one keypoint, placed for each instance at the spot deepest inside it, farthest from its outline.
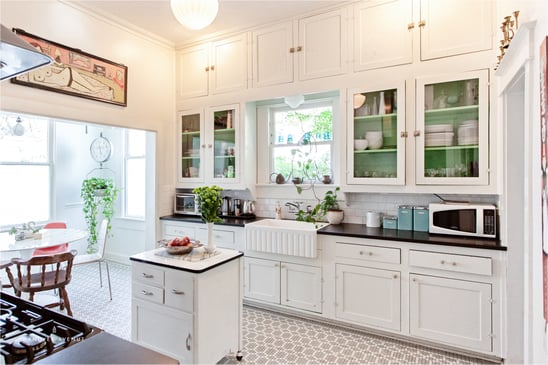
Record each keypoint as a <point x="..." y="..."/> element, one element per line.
<point x="368" y="253"/>
<point x="178" y="231"/>
<point x="450" y="262"/>
<point x="148" y="292"/>
<point x="220" y="237"/>
<point x="147" y="274"/>
<point x="179" y="291"/>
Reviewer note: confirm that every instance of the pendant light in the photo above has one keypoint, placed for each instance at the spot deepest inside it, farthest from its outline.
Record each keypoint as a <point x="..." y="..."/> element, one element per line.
<point x="195" y="14"/>
<point x="18" y="128"/>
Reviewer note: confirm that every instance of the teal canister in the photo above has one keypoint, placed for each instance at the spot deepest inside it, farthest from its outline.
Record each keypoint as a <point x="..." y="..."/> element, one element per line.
<point x="421" y="219"/>
<point x="390" y="222"/>
<point x="405" y="218"/>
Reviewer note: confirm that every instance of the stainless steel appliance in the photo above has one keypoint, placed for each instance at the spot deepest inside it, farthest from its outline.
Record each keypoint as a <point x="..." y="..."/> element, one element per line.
<point x="30" y="332"/>
<point x="186" y="203"/>
<point x="464" y="219"/>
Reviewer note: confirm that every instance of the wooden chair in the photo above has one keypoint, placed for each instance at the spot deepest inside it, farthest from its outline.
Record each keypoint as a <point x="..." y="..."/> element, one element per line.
<point x="48" y="251"/>
<point x="33" y="276"/>
<point x="98" y="256"/>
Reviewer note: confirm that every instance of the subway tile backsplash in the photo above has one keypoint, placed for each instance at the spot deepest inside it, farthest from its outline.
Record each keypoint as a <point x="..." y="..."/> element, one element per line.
<point x="356" y="205"/>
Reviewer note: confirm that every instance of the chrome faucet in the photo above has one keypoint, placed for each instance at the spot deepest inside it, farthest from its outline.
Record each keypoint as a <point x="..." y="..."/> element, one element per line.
<point x="296" y="206"/>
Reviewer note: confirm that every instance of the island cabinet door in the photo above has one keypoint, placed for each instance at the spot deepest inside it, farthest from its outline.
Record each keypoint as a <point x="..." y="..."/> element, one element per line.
<point x="453" y="311"/>
<point x="179" y="291"/>
<point x="163" y="329"/>
<point x="368" y="296"/>
<point x="262" y="280"/>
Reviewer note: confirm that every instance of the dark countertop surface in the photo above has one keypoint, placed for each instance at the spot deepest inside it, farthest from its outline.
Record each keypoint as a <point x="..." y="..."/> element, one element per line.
<point x="362" y="231"/>
<point x="105" y="348"/>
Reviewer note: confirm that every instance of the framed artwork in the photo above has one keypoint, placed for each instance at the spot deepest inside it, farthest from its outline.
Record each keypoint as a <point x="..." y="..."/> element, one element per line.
<point x="75" y="72"/>
<point x="543" y="64"/>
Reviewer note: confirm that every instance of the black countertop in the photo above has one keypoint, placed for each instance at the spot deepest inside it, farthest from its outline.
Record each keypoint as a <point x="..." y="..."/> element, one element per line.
<point x="362" y="231"/>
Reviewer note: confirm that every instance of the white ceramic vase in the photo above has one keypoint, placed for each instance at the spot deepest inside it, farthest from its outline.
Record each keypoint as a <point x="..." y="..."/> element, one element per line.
<point x="335" y="216"/>
<point x="210" y="243"/>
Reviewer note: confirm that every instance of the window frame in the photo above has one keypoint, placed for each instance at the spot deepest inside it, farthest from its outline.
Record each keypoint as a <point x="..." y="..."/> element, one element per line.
<point x="127" y="157"/>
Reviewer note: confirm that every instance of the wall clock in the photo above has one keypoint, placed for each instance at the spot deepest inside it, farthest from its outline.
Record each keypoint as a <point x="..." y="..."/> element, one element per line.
<point x="100" y="149"/>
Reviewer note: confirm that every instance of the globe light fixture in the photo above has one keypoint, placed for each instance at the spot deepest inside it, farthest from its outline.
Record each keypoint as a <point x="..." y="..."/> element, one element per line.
<point x="195" y="14"/>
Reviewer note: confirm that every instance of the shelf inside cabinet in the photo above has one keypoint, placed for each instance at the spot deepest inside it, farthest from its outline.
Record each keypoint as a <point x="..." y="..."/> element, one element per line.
<point x="224" y="131"/>
<point x="454" y="148"/>
<point x="191" y="133"/>
<point x="380" y="150"/>
<point x="452" y="110"/>
<point x="374" y="117"/>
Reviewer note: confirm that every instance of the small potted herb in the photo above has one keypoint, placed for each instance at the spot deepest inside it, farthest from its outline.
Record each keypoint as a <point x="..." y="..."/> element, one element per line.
<point x="209" y="201"/>
<point x="329" y="207"/>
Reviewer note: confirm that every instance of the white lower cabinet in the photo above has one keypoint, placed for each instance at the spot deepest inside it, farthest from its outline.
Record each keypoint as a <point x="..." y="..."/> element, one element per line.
<point x="368" y="296"/>
<point x="225" y="236"/>
<point x="456" y="312"/>
<point x="191" y="316"/>
<point x="288" y="284"/>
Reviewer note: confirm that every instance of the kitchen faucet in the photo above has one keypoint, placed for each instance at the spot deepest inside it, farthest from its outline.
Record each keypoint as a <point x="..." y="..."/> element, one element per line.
<point x="295" y="206"/>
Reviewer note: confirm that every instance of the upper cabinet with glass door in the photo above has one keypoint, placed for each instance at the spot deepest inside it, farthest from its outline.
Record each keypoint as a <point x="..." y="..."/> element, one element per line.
<point x="209" y="146"/>
<point x="376" y="152"/>
<point x="452" y="130"/>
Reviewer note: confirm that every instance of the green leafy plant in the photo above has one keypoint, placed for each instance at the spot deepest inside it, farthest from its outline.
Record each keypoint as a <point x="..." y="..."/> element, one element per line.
<point x="99" y="195"/>
<point x="209" y="201"/>
<point x="318" y="212"/>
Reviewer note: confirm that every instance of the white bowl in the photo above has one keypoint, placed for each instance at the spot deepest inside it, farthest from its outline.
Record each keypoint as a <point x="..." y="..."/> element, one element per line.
<point x="374" y="138"/>
<point x="375" y="144"/>
<point x="359" y="99"/>
<point x="361" y="144"/>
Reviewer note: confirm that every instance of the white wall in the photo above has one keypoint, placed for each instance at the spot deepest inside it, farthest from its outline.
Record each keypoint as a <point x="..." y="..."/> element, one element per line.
<point x="524" y="255"/>
<point x="151" y="90"/>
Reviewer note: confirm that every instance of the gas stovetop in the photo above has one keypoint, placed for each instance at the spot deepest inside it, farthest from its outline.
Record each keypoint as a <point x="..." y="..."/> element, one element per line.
<point x="29" y="332"/>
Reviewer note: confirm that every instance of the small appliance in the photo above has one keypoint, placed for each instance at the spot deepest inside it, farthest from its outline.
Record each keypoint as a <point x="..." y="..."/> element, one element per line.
<point x="464" y="219"/>
<point x="186" y="203"/>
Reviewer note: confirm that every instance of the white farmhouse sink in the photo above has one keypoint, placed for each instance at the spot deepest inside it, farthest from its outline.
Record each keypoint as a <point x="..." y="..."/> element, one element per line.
<point x="284" y="237"/>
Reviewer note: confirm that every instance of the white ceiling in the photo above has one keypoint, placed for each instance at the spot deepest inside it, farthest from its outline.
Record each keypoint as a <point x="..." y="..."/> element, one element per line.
<point x="156" y="19"/>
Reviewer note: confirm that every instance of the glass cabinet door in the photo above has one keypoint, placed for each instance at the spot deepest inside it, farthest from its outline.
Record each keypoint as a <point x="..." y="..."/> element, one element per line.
<point x="190" y="141"/>
<point x="223" y="145"/>
<point x="376" y="151"/>
<point x="452" y="130"/>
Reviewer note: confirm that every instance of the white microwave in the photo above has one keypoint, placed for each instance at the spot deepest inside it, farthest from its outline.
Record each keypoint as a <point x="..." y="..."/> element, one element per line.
<point x="464" y="219"/>
<point x="186" y="203"/>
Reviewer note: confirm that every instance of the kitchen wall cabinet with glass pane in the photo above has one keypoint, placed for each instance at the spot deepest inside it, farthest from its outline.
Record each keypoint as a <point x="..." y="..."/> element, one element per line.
<point x="452" y="129"/>
<point x="209" y="146"/>
<point x="376" y="148"/>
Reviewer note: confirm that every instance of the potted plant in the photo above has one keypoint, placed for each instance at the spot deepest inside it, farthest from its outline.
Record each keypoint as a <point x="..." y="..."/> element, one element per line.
<point x="99" y="195"/>
<point x="209" y="202"/>
<point x="329" y="207"/>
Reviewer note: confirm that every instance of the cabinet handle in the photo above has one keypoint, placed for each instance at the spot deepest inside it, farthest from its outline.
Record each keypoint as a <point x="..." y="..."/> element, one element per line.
<point x="203" y="146"/>
<point x="422" y="23"/>
<point x="442" y="262"/>
<point x="209" y="145"/>
<point x="395" y="276"/>
<point x="147" y="276"/>
<point x="283" y="266"/>
<point x="414" y="280"/>
<point x="416" y="133"/>
<point x="292" y="50"/>
<point x="299" y="48"/>
<point x="410" y="26"/>
<point x="207" y="68"/>
<point x="177" y="292"/>
<point x="403" y="134"/>
<point x="147" y="293"/>
<point x="454" y="263"/>
<point x="212" y="68"/>
<point x="276" y="265"/>
<point x="188" y="338"/>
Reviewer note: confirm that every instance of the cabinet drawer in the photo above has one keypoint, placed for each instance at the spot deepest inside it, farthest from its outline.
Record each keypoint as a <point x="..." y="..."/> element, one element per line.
<point x="147" y="274"/>
<point x="221" y="237"/>
<point x="451" y="262"/>
<point x="179" y="231"/>
<point x="179" y="290"/>
<point x="368" y="253"/>
<point x="148" y="292"/>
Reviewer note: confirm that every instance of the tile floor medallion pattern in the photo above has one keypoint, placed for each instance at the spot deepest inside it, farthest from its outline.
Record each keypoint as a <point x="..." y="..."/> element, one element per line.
<point x="268" y="337"/>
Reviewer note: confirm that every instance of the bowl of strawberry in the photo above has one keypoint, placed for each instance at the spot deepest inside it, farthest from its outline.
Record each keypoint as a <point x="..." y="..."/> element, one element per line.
<point x="180" y="246"/>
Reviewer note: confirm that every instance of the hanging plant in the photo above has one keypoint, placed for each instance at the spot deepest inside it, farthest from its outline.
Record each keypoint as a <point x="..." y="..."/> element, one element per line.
<point x="99" y="195"/>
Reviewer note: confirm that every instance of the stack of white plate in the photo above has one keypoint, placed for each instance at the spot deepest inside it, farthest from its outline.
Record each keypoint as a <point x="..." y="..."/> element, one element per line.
<point x="438" y="135"/>
<point x="467" y="132"/>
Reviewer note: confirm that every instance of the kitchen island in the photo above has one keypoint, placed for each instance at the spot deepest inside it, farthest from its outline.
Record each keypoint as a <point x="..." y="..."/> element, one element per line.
<point x="188" y="306"/>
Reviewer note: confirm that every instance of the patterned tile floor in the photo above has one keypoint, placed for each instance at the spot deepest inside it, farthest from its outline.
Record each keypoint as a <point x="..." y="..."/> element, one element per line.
<point x="268" y="337"/>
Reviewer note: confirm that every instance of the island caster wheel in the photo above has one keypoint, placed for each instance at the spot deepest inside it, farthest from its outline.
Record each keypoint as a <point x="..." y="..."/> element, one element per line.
<point x="239" y="356"/>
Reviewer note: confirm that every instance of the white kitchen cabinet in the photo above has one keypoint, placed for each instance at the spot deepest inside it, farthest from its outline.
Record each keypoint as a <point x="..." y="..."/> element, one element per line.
<point x="283" y="283"/>
<point x="456" y="312"/>
<point x="384" y="30"/>
<point x="452" y="129"/>
<point x="213" y="68"/>
<point x="231" y="237"/>
<point x="378" y="119"/>
<point x="187" y="310"/>
<point x="209" y="148"/>
<point x="311" y="48"/>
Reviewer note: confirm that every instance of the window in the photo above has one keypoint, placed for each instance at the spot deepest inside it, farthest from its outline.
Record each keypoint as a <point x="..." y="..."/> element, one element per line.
<point x="25" y="169"/>
<point x="134" y="174"/>
<point x="302" y="140"/>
